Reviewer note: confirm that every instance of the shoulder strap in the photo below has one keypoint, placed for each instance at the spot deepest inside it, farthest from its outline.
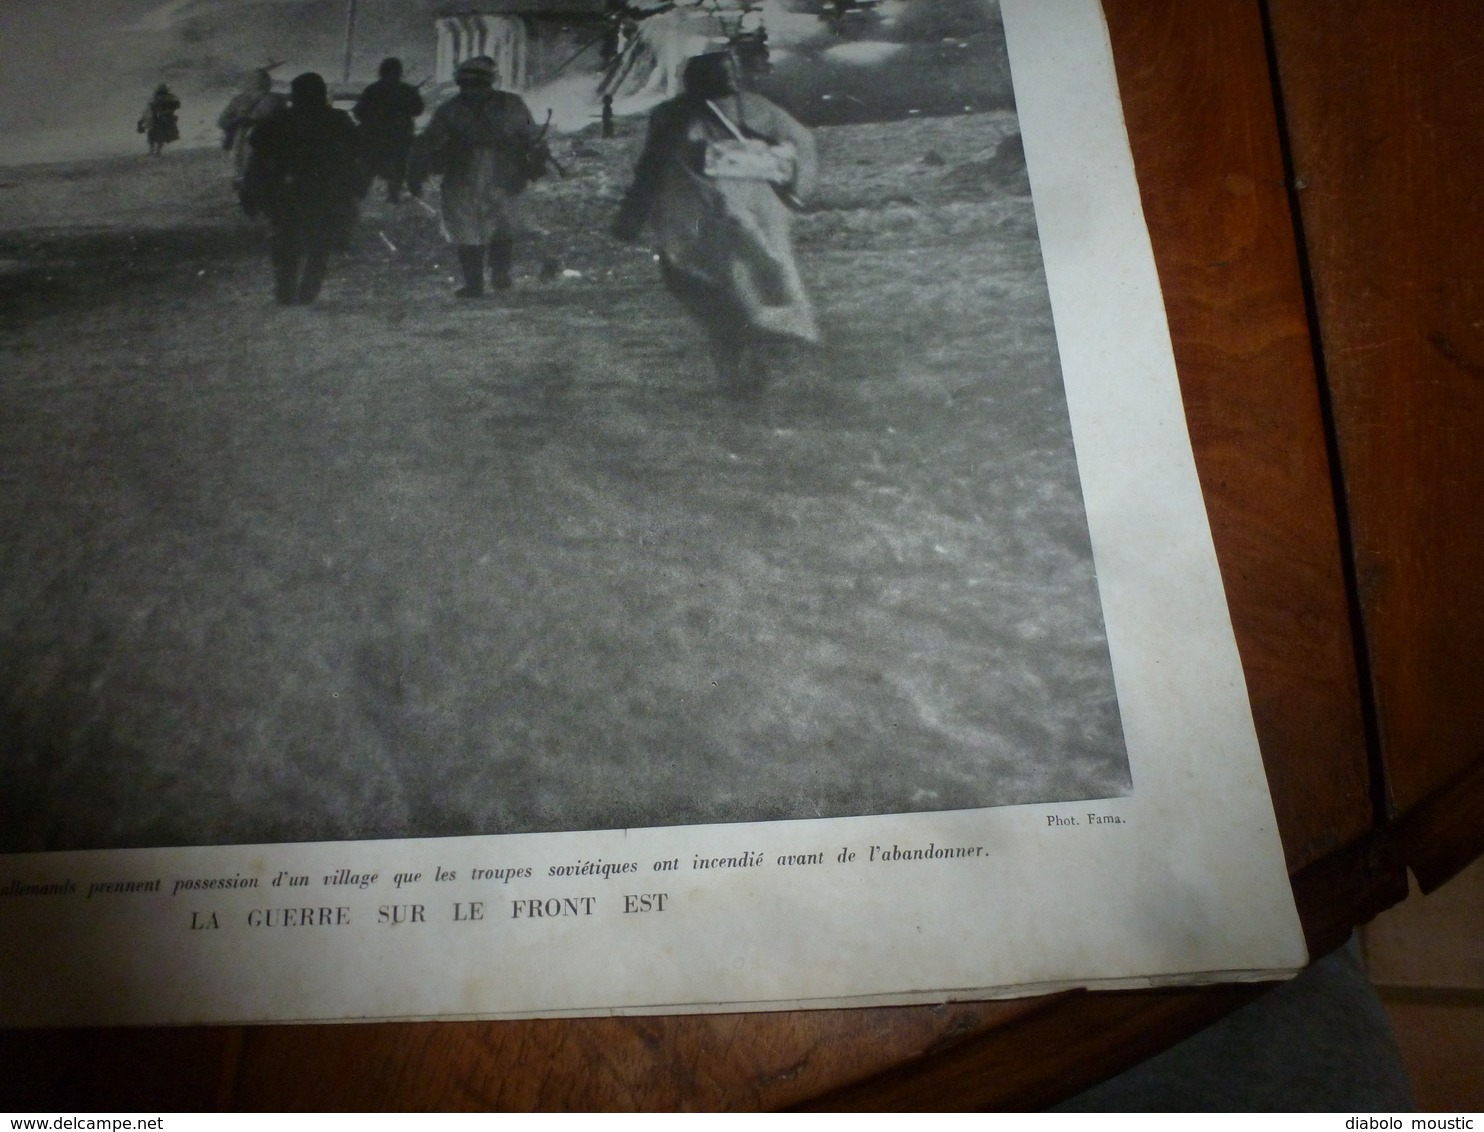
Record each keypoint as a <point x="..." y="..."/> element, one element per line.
<point x="727" y="122"/>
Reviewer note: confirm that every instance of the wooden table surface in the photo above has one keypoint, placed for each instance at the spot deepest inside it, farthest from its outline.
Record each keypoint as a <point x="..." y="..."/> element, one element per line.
<point x="1312" y="174"/>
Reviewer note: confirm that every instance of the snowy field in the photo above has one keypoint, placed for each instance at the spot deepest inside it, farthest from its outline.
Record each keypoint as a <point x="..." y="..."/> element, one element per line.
<point x="401" y="566"/>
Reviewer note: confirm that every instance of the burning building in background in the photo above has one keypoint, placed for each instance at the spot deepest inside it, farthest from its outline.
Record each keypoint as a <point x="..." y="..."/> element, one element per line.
<point x="634" y="47"/>
<point x="531" y="41"/>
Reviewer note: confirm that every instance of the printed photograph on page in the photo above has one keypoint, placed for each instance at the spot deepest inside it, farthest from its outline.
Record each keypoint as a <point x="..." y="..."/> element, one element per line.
<point x="565" y="415"/>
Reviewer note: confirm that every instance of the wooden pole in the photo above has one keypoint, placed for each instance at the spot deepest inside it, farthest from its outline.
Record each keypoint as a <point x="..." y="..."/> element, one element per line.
<point x="350" y="38"/>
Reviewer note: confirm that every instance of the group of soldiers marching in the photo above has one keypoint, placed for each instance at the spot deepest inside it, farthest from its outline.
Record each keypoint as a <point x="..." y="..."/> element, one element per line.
<point x="720" y="172"/>
<point x="386" y="113"/>
<point x="305" y="166"/>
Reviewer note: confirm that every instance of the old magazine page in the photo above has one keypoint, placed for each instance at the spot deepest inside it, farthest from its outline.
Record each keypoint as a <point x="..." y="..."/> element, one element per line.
<point x="658" y="508"/>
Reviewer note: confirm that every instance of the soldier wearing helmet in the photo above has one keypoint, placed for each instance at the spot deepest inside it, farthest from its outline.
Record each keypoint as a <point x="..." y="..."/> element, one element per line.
<point x="479" y="142"/>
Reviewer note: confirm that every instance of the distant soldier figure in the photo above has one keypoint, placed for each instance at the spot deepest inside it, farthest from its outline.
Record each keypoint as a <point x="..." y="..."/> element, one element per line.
<point x="304" y="174"/>
<point x="607" y="115"/>
<point x="749" y="44"/>
<point x="719" y="171"/>
<point x="486" y="146"/>
<point x="387" y="112"/>
<point x="257" y="103"/>
<point x="159" y="123"/>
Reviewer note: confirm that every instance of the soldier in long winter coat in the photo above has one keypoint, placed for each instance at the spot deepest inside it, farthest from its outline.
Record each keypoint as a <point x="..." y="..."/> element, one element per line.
<point x="304" y="175"/>
<point x="725" y="247"/>
<point x="480" y="141"/>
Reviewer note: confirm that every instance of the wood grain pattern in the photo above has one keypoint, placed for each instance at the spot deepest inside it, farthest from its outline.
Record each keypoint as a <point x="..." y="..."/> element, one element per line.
<point x="1386" y="121"/>
<point x="712" y="1062"/>
<point x="1440" y="835"/>
<point x="1198" y="101"/>
<point x="1345" y="888"/>
<point x="1091" y="1037"/>
<point x="189" y="1069"/>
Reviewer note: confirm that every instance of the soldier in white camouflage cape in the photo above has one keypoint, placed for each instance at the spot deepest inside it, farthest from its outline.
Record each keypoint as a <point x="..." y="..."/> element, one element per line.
<point x="726" y="251"/>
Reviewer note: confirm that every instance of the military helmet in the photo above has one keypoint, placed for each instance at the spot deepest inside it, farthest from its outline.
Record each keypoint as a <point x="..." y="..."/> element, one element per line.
<point x="479" y="69"/>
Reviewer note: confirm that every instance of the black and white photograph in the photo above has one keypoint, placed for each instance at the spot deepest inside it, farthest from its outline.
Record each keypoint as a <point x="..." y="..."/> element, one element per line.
<point x="557" y="507"/>
<point x="412" y="426"/>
